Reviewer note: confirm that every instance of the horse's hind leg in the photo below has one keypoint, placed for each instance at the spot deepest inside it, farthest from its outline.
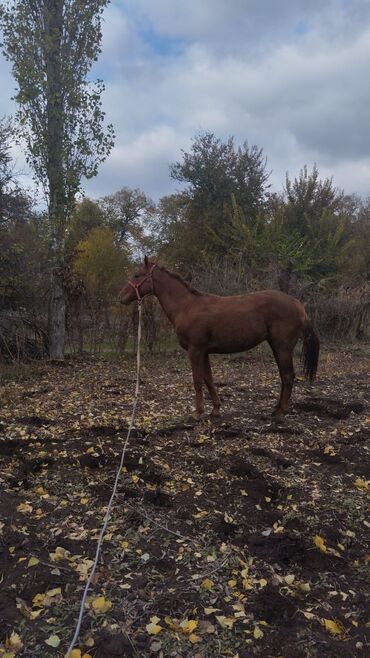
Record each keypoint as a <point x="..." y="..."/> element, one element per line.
<point x="211" y="387"/>
<point x="197" y="366"/>
<point x="284" y="360"/>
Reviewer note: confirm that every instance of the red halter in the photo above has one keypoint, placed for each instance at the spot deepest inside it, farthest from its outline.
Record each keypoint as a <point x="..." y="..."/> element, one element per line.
<point x="136" y="286"/>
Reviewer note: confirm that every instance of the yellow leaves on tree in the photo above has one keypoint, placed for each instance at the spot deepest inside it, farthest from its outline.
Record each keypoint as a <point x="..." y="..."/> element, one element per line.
<point x="100" y="263"/>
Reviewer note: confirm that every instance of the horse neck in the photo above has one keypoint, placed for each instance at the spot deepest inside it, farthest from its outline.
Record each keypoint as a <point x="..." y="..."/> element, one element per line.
<point x="172" y="294"/>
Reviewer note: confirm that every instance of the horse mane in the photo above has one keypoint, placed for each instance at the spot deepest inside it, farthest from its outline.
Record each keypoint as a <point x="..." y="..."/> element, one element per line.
<point x="187" y="285"/>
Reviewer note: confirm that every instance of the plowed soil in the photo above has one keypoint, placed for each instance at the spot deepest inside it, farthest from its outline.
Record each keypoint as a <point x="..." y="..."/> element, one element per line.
<point x="239" y="537"/>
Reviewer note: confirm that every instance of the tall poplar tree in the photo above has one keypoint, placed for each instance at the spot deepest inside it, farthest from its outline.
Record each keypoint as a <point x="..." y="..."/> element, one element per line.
<point x="52" y="45"/>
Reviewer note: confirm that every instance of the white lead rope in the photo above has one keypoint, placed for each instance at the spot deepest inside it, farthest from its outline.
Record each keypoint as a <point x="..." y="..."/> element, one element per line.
<point x="107" y="514"/>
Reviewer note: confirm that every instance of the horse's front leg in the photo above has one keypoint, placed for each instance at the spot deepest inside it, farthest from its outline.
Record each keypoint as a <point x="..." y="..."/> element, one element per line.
<point x="211" y="387"/>
<point x="197" y="366"/>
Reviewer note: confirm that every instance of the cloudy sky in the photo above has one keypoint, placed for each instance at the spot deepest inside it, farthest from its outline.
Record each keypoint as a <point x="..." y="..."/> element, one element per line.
<point x="291" y="76"/>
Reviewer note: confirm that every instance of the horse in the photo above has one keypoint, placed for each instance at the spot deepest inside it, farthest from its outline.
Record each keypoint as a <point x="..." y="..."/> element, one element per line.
<point x="212" y="324"/>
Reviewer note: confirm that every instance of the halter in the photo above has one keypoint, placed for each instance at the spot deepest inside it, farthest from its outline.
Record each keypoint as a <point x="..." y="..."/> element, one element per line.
<point x="136" y="286"/>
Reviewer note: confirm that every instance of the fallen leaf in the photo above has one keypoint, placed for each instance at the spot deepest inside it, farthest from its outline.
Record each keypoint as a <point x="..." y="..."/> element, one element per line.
<point x="360" y="483"/>
<point x="225" y="622"/>
<point x="153" y="628"/>
<point x="14" y="642"/>
<point x="332" y="627"/>
<point x="101" y="605"/>
<point x="188" y="625"/>
<point x="320" y="543"/>
<point x="53" y="641"/>
<point x="257" y="633"/>
<point x="33" y="561"/>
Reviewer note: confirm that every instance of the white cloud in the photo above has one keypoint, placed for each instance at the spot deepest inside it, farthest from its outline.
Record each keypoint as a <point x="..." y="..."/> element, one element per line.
<point x="288" y="76"/>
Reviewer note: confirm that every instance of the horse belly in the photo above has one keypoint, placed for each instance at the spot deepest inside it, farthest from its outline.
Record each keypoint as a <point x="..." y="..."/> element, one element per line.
<point x="237" y="339"/>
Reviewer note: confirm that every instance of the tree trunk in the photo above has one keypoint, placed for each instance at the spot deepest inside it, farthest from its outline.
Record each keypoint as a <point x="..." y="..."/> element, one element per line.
<point x="57" y="315"/>
<point x="55" y="124"/>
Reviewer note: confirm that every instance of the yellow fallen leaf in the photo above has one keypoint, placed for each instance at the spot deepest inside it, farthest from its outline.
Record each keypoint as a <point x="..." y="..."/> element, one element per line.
<point x="200" y="515"/>
<point x="257" y="633"/>
<point x="320" y="543"/>
<point x="26" y="611"/>
<point x="247" y="584"/>
<point x="60" y="553"/>
<point x="25" y="508"/>
<point x="101" y="605"/>
<point x="173" y="625"/>
<point x="33" y="561"/>
<point x="360" y="483"/>
<point x="53" y="641"/>
<point x="84" y="501"/>
<point x="54" y="592"/>
<point x="289" y="579"/>
<point x="193" y="638"/>
<point x="262" y="582"/>
<point x="38" y="600"/>
<point x="135" y="478"/>
<point x="225" y="622"/>
<point x="153" y="628"/>
<point x="188" y="625"/>
<point x="232" y="583"/>
<point x="14" y="642"/>
<point x="209" y="611"/>
<point x="332" y="627"/>
<point x="207" y="584"/>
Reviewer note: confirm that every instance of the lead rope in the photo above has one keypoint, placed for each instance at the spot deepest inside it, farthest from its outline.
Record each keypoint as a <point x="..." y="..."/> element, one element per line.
<point x="107" y="514"/>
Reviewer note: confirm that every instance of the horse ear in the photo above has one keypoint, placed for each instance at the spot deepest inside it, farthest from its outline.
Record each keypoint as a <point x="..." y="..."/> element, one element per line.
<point x="146" y="261"/>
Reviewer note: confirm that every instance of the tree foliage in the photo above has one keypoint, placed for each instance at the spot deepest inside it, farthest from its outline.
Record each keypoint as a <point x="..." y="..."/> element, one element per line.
<point x="215" y="172"/>
<point x="101" y="263"/>
<point x="52" y="45"/>
<point x="128" y="212"/>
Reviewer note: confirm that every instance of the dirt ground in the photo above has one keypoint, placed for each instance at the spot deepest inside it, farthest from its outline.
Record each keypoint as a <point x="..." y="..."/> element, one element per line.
<point x="239" y="537"/>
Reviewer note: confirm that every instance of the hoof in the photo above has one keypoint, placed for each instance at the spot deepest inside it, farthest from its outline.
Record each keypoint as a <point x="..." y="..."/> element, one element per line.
<point x="215" y="413"/>
<point x="197" y="415"/>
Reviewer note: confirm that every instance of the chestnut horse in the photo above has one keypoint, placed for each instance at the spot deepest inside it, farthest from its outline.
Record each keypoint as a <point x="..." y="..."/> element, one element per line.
<point x="207" y="324"/>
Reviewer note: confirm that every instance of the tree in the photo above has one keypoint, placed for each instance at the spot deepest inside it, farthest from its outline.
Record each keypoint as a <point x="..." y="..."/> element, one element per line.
<point x="215" y="173"/>
<point x="86" y="216"/>
<point x="52" y="45"/>
<point x="101" y="264"/>
<point x="14" y="202"/>
<point x="308" y="197"/>
<point x="127" y="212"/>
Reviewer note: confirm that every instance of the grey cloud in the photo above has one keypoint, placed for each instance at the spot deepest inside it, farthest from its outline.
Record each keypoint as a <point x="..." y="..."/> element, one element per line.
<point x="289" y="76"/>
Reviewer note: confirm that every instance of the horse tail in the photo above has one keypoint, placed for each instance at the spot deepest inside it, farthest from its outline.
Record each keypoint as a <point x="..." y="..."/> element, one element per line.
<point x="310" y="351"/>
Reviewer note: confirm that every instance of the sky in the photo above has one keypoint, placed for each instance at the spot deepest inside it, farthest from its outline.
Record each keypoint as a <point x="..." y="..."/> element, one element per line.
<point x="291" y="76"/>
